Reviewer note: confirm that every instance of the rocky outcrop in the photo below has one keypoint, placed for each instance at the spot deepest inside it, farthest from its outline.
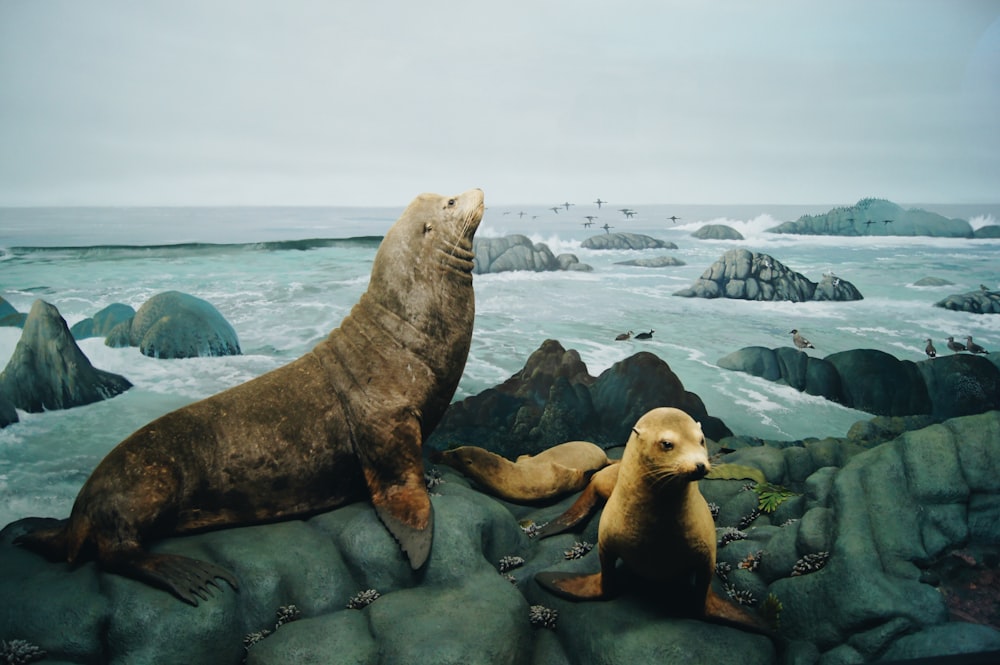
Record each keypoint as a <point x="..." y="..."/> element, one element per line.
<point x="554" y="399"/>
<point x="49" y="371"/>
<point x="9" y="316"/>
<point x="102" y="323"/>
<point x="8" y="412"/>
<point x="989" y="231"/>
<point x="744" y="275"/>
<point x="625" y="241"/>
<point x="176" y="325"/>
<point x="974" y="302"/>
<point x="6" y="309"/>
<point x="932" y="281"/>
<point x="655" y="262"/>
<point x="517" y="252"/>
<point x="717" y="232"/>
<point x="877" y="217"/>
<point x="879" y="383"/>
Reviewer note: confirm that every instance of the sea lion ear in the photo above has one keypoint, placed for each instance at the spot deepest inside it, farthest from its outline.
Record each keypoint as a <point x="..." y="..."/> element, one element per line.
<point x="636" y="431"/>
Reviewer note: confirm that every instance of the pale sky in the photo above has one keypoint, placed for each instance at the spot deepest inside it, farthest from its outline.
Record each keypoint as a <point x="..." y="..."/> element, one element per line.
<point x="370" y="102"/>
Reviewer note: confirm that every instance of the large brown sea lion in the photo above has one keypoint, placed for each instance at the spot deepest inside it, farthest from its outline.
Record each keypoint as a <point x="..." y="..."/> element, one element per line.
<point x="657" y="522"/>
<point x="343" y="423"/>
<point x="561" y="469"/>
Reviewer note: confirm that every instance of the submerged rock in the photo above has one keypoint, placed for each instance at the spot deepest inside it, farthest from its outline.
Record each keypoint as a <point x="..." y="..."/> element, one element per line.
<point x="656" y="262"/>
<point x="877" y="217"/>
<point x="625" y="241"/>
<point x="877" y="382"/>
<point x="49" y="371"/>
<point x="176" y="325"/>
<point x="744" y="275"/>
<point x="517" y="252"/>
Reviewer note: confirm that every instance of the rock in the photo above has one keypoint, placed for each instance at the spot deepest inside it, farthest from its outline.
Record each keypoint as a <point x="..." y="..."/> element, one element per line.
<point x="554" y="399"/>
<point x="988" y="231"/>
<point x="876" y="382"/>
<point x="886" y="218"/>
<point x="102" y="323"/>
<point x="6" y="309"/>
<point x="8" y="412"/>
<point x="15" y="320"/>
<point x="975" y="302"/>
<point x="625" y="241"/>
<point x="176" y="325"/>
<point x="717" y="232"/>
<point x="932" y="281"/>
<point x="49" y="371"/>
<point x="517" y="252"/>
<point x="656" y="262"/>
<point x="744" y="275"/>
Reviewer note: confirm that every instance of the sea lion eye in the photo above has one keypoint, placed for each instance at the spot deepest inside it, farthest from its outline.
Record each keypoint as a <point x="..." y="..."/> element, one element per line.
<point x="666" y="445"/>
<point x="451" y="202"/>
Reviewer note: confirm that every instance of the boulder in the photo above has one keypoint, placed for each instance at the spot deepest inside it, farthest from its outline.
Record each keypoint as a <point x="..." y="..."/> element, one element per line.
<point x="877" y="217"/>
<point x="877" y="382"/>
<point x="102" y="323"/>
<point x="49" y="371"/>
<point x="717" y="232"/>
<point x="517" y="252"/>
<point x="8" y="412"/>
<point x="744" y="275"/>
<point x="932" y="281"/>
<point x="6" y="309"/>
<point x="655" y="262"/>
<point x="176" y="325"/>
<point x="554" y="399"/>
<point x="988" y="231"/>
<point x="625" y="241"/>
<point x="974" y="302"/>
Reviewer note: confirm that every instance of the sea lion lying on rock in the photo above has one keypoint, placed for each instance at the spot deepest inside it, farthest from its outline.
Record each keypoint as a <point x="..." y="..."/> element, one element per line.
<point x="657" y="522"/>
<point x="343" y="423"/>
<point x="559" y="470"/>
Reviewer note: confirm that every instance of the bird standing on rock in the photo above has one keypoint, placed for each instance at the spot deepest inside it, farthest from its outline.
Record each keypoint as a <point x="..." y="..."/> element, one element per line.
<point x="800" y="341"/>
<point x="930" y="350"/>
<point x="972" y="347"/>
<point x="954" y="346"/>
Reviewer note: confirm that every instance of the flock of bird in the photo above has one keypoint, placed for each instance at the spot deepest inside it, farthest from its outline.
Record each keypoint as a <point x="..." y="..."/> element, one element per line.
<point x="565" y="206"/>
<point x="953" y="346"/>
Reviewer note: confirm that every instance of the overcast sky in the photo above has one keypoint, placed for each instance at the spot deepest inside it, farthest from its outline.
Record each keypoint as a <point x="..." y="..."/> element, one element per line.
<point x="316" y="102"/>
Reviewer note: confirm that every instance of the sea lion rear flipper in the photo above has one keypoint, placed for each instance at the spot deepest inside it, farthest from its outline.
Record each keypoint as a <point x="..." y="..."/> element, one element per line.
<point x="572" y="586"/>
<point x="186" y="578"/>
<point x="395" y="479"/>
<point x="595" y="494"/>
<point x="718" y="610"/>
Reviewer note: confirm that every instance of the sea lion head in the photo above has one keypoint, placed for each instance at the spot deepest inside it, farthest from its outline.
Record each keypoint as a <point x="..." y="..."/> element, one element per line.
<point x="669" y="446"/>
<point x="471" y="461"/>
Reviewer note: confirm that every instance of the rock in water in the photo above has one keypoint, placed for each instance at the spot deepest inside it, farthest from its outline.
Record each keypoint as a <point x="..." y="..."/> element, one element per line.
<point x="102" y="323"/>
<point x="177" y="325"/>
<point x="49" y="371"/>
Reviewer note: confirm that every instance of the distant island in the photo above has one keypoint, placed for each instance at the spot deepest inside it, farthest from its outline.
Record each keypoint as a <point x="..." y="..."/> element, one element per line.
<point x="877" y="217"/>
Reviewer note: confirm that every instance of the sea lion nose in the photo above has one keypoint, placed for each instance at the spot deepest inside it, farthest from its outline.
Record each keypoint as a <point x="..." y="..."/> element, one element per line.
<point x="700" y="470"/>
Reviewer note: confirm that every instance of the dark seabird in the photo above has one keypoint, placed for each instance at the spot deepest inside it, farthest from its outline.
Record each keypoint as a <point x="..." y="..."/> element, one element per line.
<point x="521" y="214"/>
<point x="972" y="347"/>
<point x="568" y="204"/>
<point x="983" y="287"/>
<point x="869" y="223"/>
<point x="590" y="218"/>
<point x="800" y="341"/>
<point x="555" y="209"/>
<point x="599" y="202"/>
<point x="648" y="335"/>
<point x="887" y="222"/>
<point x="624" y="336"/>
<point x="673" y="218"/>
<point x="607" y="229"/>
<point x="587" y="225"/>
<point x="930" y="350"/>
<point x="954" y="346"/>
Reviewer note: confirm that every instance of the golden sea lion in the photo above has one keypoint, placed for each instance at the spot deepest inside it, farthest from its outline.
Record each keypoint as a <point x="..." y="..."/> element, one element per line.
<point x="559" y="470"/>
<point x="343" y="423"/>
<point x="657" y="522"/>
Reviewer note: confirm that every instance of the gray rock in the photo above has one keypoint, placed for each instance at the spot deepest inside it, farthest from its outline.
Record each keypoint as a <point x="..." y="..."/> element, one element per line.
<point x="854" y="221"/>
<point x="49" y="371"/>
<point x="656" y="262"/>
<point x="988" y="231"/>
<point x="975" y="302"/>
<point x="8" y="412"/>
<point x="625" y="241"/>
<point x="517" y="252"/>
<point x="6" y="309"/>
<point x="102" y="323"/>
<point x="932" y="281"/>
<point x="744" y="275"/>
<point x="717" y="232"/>
<point x="176" y="325"/>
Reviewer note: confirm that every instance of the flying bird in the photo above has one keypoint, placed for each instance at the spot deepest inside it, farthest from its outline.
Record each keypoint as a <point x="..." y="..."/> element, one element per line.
<point x="521" y="214"/>
<point x="568" y="204"/>
<point x="673" y="218"/>
<point x="800" y="341"/>
<point x="599" y="202"/>
<point x="555" y="209"/>
<point x="607" y="229"/>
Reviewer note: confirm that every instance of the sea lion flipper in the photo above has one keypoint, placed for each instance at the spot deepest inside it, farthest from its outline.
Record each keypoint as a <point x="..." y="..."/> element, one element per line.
<point x="186" y="578"/>
<point x="719" y="610"/>
<point x="398" y="490"/>
<point x="594" y="495"/>
<point x="572" y="586"/>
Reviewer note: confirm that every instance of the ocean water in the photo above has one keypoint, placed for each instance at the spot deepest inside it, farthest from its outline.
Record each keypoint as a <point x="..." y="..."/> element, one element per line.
<point x="283" y="292"/>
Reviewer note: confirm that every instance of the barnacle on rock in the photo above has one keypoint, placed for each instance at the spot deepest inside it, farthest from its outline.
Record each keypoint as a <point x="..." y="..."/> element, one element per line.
<point x="543" y="617"/>
<point x="740" y="596"/>
<point x="530" y="528"/>
<point x="19" y="652"/>
<point x="508" y="563"/>
<point x="729" y="534"/>
<point x="510" y="578"/>
<point x="363" y="599"/>
<point x="810" y="563"/>
<point x="287" y="614"/>
<point x="579" y="549"/>
<point x="722" y="569"/>
<point x="255" y="637"/>
<point x="749" y="518"/>
<point x="751" y="561"/>
<point x="714" y="508"/>
<point x="432" y="478"/>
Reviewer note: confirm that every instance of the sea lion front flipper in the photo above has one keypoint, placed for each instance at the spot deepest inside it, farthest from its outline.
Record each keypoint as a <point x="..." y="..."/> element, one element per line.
<point x="186" y="578"/>
<point x="595" y="494"/>
<point x="572" y="586"/>
<point x="394" y="473"/>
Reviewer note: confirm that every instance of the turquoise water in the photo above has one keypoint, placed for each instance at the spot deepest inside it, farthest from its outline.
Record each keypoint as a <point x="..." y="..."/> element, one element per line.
<point x="282" y="297"/>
